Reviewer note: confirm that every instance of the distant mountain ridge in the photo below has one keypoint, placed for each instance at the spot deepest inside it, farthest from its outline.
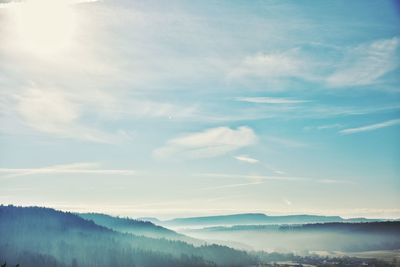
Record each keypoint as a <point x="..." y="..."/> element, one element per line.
<point x="330" y="236"/>
<point x="390" y="227"/>
<point x="257" y="218"/>
<point x="37" y="237"/>
<point x="136" y="226"/>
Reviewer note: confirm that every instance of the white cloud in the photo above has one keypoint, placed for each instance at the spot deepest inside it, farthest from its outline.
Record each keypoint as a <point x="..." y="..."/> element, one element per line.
<point x="371" y="127"/>
<point x="64" y="112"/>
<point x="74" y="168"/>
<point x="270" y="100"/>
<point x="208" y="143"/>
<point x="53" y="112"/>
<point x="323" y="127"/>
<point x="46" y="110"/>
<point x="254" y="179"/>
<point x="363" y="64"/>
<point x="333" y="181"/>
<point x="234" y="185"/>
<point x="287" y="201"/>
<point x="134" y="108"/>
<point x="329" y="126"/>
<point x="271" y="66"/>
<point x="286" y="142"/>
<point x="247" y="159"/>
<point x="366" y="63"/>
<point x="61" y="1"/>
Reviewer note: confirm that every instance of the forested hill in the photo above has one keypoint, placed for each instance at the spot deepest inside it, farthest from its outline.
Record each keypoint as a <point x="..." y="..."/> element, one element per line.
<point x="388" y="227"/>
<point x="255" y="218"/>
<point x="384" y="227"/>
<point x="136" y="227"/>
<point x="36" y="237"/>
<point x="349" y="237"/>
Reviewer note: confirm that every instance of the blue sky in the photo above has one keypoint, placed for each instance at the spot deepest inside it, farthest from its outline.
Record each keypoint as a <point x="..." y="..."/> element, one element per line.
<point x="149" y="108"/>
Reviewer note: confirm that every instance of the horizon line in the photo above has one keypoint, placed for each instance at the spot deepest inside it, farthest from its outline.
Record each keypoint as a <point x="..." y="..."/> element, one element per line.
<point x="161" y="217"/>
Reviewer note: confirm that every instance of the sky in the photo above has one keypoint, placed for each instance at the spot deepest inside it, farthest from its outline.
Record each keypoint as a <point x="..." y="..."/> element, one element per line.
<point x="187" y="108"/>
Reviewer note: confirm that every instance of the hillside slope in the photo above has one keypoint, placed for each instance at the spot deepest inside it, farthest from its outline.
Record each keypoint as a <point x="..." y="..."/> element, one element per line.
<point x="255" y="218"/>
<point x="349" y="237"/>
<point x="45" y="237"/>
<point x="136" y="227"/>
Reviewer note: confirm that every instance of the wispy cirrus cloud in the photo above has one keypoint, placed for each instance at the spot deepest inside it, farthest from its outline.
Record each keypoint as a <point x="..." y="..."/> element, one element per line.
<point x="366" y="63"/>
<point x="333" y="181"/>
<point x="287" y="202"/>
<point x="66" y="114"/>
<point x="208" y="143"/>
<point x="261" y="179"/>
<point x="252" y="177"/>
<point x="251" y="160"/>
<point x="270" y="100"/>
<point x="74" y="168"/>
<point x="234" y="185"/>
<point x="56" y="113"/>
<point x="370" y="127"/>
<point x="323" y="127"/>
<point x="286" y="142"/>
<point x="329" y="126"/>
<point x="274" y="66"/>
<point x="357" y="65"/>
<point x="246" y="159"/>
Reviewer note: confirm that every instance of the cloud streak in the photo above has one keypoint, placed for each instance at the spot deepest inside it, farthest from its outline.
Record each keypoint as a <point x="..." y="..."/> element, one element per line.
<point x="362" y="64"/>
<point x="371" y="127"/>
<point x="272" y="66"/>
<point x="286" y="142"/>
<point x="247" y="159"/>
<point x="54" y="112"/>
<point x="366" y="63"/>
<point x="208" y="143"/>
<point x="75" y="168"/>
<point x="270" y="100"/>
<point x="261" y="179"/>
<point x="253" y="177"/>
<point x="233" y="185"/>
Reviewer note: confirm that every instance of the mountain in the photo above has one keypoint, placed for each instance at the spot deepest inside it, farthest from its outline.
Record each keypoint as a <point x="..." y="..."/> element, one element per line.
<point x="149" y="219"/>
<point x="34" y="236"/>
<point x="344" y="236"/>
<point x="254" y="218"/>
<point x="37" y="237"/>
<point x="387" y="227"/>
<point x="136" y="227"/>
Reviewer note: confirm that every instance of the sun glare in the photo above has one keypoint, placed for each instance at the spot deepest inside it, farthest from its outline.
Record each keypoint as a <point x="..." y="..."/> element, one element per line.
<point x="45" y="27"/>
